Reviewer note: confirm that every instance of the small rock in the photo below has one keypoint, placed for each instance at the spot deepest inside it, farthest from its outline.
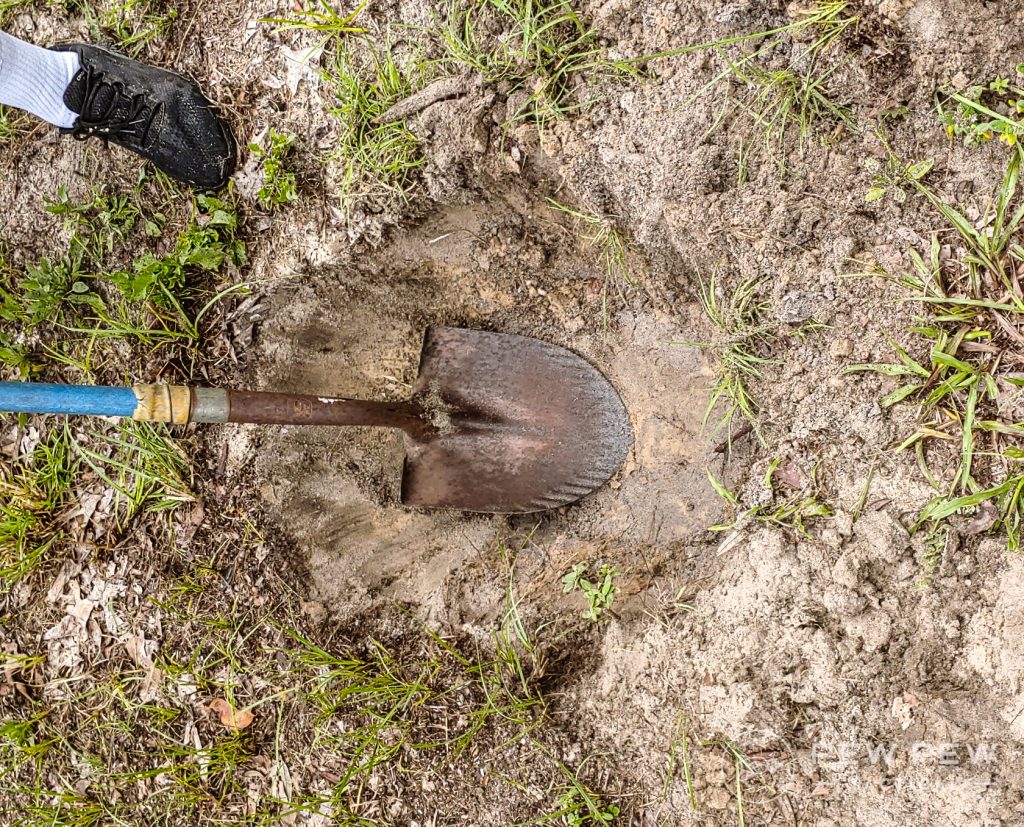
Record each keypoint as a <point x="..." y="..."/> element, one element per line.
<point x="841" y="348"/>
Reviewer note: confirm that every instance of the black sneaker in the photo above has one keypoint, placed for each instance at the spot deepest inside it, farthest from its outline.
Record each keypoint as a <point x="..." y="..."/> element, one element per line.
<point x="162" y="116"/>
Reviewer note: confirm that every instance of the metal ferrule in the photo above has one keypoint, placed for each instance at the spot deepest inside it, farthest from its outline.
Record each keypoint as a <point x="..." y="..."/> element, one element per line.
<point x="209" y="405"/>
<point x="162" y="403"/>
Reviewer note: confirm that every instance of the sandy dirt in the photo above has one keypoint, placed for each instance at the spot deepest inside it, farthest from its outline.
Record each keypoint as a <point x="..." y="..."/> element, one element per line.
<point x="807" y="654"/>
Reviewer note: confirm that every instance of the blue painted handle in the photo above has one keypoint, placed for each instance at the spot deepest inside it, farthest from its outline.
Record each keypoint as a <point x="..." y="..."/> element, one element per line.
<point x="87" y="400"/>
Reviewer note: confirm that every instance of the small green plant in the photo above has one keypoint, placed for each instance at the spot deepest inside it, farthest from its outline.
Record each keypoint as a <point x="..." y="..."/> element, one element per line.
<point x="599" y="593"/>
<point x="278" y="178"/>
<point x="896" y="178"/>
<point x="983" y="112"/>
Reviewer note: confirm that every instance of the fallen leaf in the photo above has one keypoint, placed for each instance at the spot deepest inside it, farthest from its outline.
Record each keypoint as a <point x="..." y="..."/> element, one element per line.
<point x="233" y="719"/>
<point x="790" y="475"/>
<point x="984" y="519"/>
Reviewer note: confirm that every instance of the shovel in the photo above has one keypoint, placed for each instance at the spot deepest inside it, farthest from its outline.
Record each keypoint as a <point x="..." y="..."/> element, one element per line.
<point x="497" y="423"/>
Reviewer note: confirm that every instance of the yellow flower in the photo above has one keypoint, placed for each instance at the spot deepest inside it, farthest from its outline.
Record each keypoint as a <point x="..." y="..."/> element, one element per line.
<point x="1009" y="137"/>
<point x="986" y="136"/>
<point x="949" y="129"/>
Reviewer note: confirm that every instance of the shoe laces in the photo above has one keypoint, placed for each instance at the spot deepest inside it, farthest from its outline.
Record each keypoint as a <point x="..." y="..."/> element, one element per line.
<point x="131" y="120"/>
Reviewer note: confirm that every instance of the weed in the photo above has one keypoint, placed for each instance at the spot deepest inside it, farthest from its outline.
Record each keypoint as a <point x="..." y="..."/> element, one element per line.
<point x="65" y="292"/>
<point x="966" y="389"/>
<point x="981" y="112"/>
<point x="48" y="289"/>
<point x="601" y="233"/>
<point x="576" y="804"/>
<point x="278" y="179"/>
<point x="378" y="158"/>
<point x="599" y="593"/>
<point x="791" y="511"/>
<point x="16" y="356"/>
<point x="324" y="20"/>
<point x="896" y="178"/>
<point x="544" y="53"/>
<point x="739" y="345"/>
<point x="578" y="807"/>
<point x="207" y="243"/>
<point x="98" y="227"/>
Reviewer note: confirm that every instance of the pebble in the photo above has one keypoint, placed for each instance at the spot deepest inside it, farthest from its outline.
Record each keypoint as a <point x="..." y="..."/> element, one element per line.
<point x="841" y="348"/>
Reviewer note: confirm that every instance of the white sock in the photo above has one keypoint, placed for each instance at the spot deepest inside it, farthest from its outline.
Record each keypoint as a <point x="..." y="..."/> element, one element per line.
<point x="34" y="79"/>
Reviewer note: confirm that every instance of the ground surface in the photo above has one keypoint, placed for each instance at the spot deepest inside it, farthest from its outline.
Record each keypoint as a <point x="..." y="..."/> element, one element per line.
<point x="759" y="675"/>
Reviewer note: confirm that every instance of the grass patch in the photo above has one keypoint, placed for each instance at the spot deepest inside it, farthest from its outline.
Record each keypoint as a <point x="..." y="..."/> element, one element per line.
<point x="34" y="490"/>
<point x="967" y="388"/>
<point x="132" y="25"/>
<point x="780" y="101"/>
<point x="377" y="159"/>
<point x="78" y="305"/>
<point x="142" y="465"/>
<point x="542" y="51"/>
<point x="740" y="346"/>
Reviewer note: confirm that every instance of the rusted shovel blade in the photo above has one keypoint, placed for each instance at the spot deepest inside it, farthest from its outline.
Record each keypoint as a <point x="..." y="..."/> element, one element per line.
<point x="525" y="426"/>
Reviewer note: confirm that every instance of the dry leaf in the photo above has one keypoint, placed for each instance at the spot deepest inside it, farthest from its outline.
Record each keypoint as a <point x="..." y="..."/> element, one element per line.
<point x="984" y="519"/>
<point x="233" y="719"/>
<point x="790" y="475"/>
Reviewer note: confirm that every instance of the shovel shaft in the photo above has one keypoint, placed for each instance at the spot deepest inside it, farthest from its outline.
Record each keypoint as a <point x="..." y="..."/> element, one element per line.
<point x="177" y="404"/>
<point x="301" y="409"/>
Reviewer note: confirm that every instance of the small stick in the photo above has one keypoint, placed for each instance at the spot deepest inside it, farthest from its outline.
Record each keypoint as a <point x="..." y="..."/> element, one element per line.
<point x="743" y="430"/>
